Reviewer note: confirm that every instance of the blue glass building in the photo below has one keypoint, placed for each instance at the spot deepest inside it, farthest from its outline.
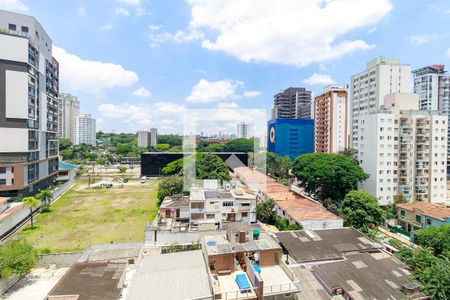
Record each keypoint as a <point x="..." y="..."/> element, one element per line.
<point x="291" y="137"/>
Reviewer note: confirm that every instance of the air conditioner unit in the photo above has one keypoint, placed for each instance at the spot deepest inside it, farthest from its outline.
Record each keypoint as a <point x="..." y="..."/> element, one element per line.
<point x="339" y="291"/>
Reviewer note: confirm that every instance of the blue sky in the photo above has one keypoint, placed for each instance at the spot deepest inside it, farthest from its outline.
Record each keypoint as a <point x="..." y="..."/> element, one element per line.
<point x="136" y="64"/>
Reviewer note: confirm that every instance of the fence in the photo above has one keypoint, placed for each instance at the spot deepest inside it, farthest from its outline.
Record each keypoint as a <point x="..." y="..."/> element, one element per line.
<point x="400" y="230"/>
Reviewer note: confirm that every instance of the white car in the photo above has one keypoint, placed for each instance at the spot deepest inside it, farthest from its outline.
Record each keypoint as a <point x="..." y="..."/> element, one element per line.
<point x="143" y="179"/>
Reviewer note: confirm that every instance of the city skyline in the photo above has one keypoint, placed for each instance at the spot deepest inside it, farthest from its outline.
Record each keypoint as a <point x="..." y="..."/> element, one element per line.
<point x="162" y="65"/>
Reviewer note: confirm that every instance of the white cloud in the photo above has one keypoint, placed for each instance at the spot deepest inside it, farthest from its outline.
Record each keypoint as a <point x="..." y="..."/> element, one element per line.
<point x="106" y="27"/>
<point x="142" y="92"/>
<point x="227" y="105"/>
<point x="251" y="94"/>
<point x="155" y="27"/>
<point x="213" y="91"/>
<point x="81" y="11"/>
<point x="120" y="11"/>
<point x="420" y="39"/>
<point x="298" y="32"/>
<point x="448" y="52"/>
<point x="372" y="30"/>
<point x="216" y="91"/>
<point x="91" y="76"/>
<point x="140" y="11"/>
<point x="322" y="79"/>
<point x="178" y="37"/>
<point x="130" y="2"/>
<point x="14" y="5"/>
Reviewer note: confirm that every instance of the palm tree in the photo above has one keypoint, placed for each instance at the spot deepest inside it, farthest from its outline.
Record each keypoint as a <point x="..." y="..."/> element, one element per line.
<point x="45" y="196"/>
<point x="32" y="203"/>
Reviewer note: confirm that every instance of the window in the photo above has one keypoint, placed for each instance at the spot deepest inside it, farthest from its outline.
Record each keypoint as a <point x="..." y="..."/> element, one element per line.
<point x="244" y="214"/>
<point x="2" y="170"/>
<point x="418" y="218"/>
<point x="2" y="181"/>
<point x="245" y="204"/>
<point x="227" y="203"/>
<point x="12" y="27"/>
<point x="428" y="221"/>
<point x="210" y="216"/>
<point x="402" y="213"/>
<point x="25" y="29"/>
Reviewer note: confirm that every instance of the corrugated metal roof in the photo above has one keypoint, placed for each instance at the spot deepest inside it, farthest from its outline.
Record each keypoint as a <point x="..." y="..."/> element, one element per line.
<point x="172" y="276"/>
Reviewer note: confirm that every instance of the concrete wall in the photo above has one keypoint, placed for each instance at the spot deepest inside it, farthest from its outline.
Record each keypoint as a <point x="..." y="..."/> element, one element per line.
<point x="322" y="224"/>
<point x="15" y="216"/>
<point x="268" y="257"/>
<point x="223" y="262"/>
<point x="6" y="283"/>
<point x="59" y="259"/>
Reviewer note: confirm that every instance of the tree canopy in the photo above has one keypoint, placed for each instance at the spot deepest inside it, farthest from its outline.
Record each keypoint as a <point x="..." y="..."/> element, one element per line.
<point x="169" y="186"/>
<point x="207" y="166"/>
<point x="16" y="257"/>
<point x="437" y="238"/>
<point x="266" y="214"/>
<point x="360" y="209"/>
<point x="328" y="175"/>
<point x="240" y="145"/>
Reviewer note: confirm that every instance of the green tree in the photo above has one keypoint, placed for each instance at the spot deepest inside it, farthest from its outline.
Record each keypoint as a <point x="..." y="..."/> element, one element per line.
<point x="172" y="139"/>
<point x="240" y="145"/>
<point x="17" y="257"/>
<point x="122" y="169"/>
<point x="436" y="238"/>
<point x="32" y="204"/>
<point x="210" y="166"/>
<point x="435" y="280"/>
<point x="328" y="175"/>
<point x="45" y="196"/>
<point x="64" y="144"/>
<point x="162" y="147"/>
<point x="283" y="224"/>
<point x="264" y="211"/>
<point x="173" y="167"/>
<point x="360" y="210"/>
<point x="169" y="186"/>
<point x="67" y="154"/>
<point x="215" y="147"/>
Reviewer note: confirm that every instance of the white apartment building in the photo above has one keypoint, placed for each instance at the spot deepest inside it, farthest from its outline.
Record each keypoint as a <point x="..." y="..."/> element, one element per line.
<point x="330" y="119"/>
<point x="69" y="110"/>
<point x="211" y="203"/>
<point x="242" y="130"/>
<point x="143" y="139"/>
<point x="382" y="76"/>
<point x="29" y="112"/>
<point x="432" y="84"/>
<point x="404" y="150"/>
<point x="147" y="138"/>
<point x="153" y="137"/>
<point x="85" y="130"/>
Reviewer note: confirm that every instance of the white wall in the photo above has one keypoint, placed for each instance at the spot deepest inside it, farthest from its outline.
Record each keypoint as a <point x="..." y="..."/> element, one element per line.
<point x="322" y="224"/>
<point x="13" y="139"/>
<point x="13" y="48"/>
<point x="339" y="126"/>
<point x="16" y="94"/>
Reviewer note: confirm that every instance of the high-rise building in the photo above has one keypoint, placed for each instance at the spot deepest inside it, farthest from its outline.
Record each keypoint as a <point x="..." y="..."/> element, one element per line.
<point x="242" y="130"/>
<point x="29" y="87"/>
<point x="381" y="77"/>
<point x="330" y="119"/>
<point x="432" y="84"/>
<point x="69" y="110"/>
<point x="153" y="137"/>
<point x="147" y="138"/>
<point x="404" y="151"/>
<point x="292" y="103"/>
<point x="85" y="130"/>
<point x="292" y="137"/>
<point x="143" y="139"/>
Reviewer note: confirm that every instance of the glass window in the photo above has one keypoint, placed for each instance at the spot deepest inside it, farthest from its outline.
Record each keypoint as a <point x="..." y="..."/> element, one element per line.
<point x="2" y="170"/>
<point x="418" y="218"/>
<point x="24" y="29"/>
<point x="402" y="212"/>
<point x="12" y="27"/>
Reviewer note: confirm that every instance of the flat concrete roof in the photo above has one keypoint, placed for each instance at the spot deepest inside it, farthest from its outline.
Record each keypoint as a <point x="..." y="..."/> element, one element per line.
<point x="94" y="280"/>
<point x="172" y="276"/>
<point x="329" y="244"/>
<point x="366" y="276"/>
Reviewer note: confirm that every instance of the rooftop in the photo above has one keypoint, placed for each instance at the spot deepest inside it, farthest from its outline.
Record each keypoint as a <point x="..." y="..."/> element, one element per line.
<point x="175" y="201"/>
<point x="366" y="276"/>
<point x="93" y="280"/>
<point x="330" y="244"/>
<point x="429" y="209"/>
<point x="172" y="276"/>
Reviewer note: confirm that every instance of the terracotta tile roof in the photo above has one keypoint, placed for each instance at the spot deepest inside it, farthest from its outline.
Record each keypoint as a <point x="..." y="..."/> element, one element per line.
<point x="429" y="209"/>
<point x="251" y="175"/>
<point x="298" y="207"/>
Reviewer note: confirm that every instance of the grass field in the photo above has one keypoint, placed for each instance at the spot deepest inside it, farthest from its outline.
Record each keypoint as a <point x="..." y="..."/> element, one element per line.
<point x="83" y="216"/>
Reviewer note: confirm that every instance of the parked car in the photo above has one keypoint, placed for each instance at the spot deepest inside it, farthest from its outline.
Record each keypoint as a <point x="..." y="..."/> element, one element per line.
<point x="125" y="180"/>
<point x="143" y="179"/>
<point x="106" y="185"/>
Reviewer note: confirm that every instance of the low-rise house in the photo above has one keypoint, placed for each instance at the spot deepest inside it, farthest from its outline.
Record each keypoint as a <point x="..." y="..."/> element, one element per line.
<point x="419" y="215"/>
<point x="175" y="207"/>
<point x="209" y="203"/>
<point x="245" y="263"/>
